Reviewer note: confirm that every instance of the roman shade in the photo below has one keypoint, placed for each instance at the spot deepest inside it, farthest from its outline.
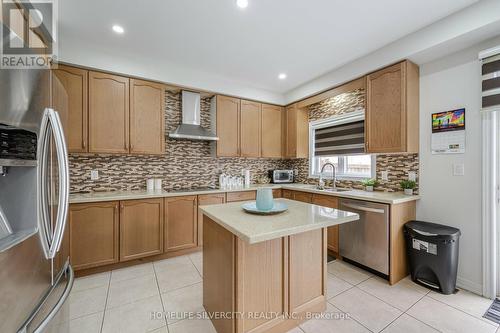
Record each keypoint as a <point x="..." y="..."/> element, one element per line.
<point x="490" y="71"/>
<point x="342" y="139"/>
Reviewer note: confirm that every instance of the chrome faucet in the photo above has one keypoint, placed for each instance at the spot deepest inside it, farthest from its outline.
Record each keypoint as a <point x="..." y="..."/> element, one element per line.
<point x="321" y="182"/>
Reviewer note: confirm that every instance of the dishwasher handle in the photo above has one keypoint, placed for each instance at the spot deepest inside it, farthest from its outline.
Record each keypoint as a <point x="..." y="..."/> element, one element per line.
<point x="364" y="209"/>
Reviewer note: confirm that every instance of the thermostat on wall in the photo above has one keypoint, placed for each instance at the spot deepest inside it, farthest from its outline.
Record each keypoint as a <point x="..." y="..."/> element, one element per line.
<point x="448" y="132"/>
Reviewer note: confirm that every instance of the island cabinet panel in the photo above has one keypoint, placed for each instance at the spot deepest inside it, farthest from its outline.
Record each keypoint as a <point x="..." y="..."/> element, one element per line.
<point x="261" y="285"/>
<point x="181" y="230"/>
<point x="73" y="98"/>
<point x="333" y="232"/>
<point x="228" y="126"/>
<point x="240" y="196"/>
<point x="205" y="200"/>
<point x="392" y="109"/>
<point x="272" y="131"/>
<point x="147" y="119"/>
<point x="141" y="228"/>
<point x="108" y="113"/>
<point x="307" y="270"/>
<point x="250" y="129"/>
<point x="93" y="234"/>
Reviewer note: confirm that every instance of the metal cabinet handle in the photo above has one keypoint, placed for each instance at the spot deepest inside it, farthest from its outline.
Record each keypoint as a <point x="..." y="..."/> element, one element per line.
<point x="365" y="209"/>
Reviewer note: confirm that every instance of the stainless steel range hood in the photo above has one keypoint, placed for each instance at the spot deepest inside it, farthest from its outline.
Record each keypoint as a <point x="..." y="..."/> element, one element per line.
<point x="190" y="127"/>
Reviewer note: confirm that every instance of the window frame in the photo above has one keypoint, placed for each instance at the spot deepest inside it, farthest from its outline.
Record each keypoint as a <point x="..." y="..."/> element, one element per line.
<point x="336" y="120"/>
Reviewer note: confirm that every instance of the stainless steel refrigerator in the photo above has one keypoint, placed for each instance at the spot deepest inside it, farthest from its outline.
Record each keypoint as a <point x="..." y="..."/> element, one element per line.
<point x="35" y="274"/>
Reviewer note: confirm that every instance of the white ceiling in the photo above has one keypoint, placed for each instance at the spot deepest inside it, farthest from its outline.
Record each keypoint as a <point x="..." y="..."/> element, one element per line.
<point x="218" y="41"/>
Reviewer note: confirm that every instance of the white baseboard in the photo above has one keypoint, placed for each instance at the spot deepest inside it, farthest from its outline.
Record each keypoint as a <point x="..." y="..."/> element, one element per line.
<point x="469" y="285"/>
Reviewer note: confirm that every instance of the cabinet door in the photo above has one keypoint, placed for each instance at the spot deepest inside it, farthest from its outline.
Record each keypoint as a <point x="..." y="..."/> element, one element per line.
<point x="93" y="234"/>
<point x="147" y="120"/>
<point x="385" y="110"/>
<point x="205" y="200"/>
<point x="108" y="113"/>
<point x="272" y="136"/>
<point x="228" y="126"/>
<point x="291" y="131"/>
<point x="180" y="223"/>
<point x="297" y="132"/>
<point x="333" y="232"/>
<point x="250" y="129"/>
<point x="70" y="98"/>
<point x="302" y="196"/>
<point x="141" y="228"/>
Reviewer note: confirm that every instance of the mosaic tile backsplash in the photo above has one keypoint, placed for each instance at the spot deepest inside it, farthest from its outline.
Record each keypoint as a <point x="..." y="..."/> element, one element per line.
<point x="189" y="164"/>
<point x="397" y="165"/>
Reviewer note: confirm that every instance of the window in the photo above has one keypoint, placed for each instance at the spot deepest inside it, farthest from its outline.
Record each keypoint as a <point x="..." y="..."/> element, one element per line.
<point x="340" y="140"/>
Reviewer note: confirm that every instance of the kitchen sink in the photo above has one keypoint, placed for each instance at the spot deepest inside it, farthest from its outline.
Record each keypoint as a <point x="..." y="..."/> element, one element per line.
<point x="331" y="189"/>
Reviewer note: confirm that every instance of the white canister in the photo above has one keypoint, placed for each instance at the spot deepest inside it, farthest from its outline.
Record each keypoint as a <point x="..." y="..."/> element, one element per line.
<point x="158" y="184"/>
<point x="150" y="184"/>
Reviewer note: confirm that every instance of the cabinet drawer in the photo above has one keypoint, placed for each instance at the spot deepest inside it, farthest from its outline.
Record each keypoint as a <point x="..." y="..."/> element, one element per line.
<point x="287" y="194"/>
<point x="277" y="193"/>
<point x="240" y="196"/>
<point x="302" y="196"/>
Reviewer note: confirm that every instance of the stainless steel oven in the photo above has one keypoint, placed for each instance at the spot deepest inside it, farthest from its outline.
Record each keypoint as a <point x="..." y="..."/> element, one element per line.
<point x="366" y="241"/>
<point x="281" y="176"/>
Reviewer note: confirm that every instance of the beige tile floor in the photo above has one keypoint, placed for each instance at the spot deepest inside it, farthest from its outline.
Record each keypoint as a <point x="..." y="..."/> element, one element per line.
<point x="123" y="301"/>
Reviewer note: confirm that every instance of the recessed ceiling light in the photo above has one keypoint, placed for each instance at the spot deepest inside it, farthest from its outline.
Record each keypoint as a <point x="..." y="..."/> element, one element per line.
<point x="282" y="76"/>
<point x="242" y="3"/>
<point x="118" y="29"/>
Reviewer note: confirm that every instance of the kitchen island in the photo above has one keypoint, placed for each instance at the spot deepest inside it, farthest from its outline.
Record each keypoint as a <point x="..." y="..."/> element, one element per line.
<point x="265" y="273"/>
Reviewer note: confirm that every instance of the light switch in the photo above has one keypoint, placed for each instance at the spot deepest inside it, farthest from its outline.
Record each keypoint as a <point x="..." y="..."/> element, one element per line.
<point x="412" y="176"/>
<point x="458" y="169"/>
<point x="385" y="175"/>
<point x="94" y="174"/>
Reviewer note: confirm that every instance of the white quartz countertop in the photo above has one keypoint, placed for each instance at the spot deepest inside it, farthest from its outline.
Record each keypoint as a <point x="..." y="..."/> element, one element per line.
<point x="382" y="197"/>
<point x="300" y="217"/>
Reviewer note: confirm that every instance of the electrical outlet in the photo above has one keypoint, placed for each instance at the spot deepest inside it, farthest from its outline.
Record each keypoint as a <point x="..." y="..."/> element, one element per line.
<point x="412" y="176"/>
<point x="94" y="174"/>
<point x="458" y="169"/>
<point x="385" y="175"/>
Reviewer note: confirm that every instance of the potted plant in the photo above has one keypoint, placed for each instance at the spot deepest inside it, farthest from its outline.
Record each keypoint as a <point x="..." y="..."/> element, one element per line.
<point x="369" y="184"/>
<point x="408" y="186"/>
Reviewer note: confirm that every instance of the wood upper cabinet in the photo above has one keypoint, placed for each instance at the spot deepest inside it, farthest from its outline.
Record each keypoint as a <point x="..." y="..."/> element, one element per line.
<point x="250" y="129"/>
<point x="147" y="117"/>
<point x="392" y="107"/>
<point x="141" y="228"/>
<point x="333" y="232"/>
<point x="93" y="234"/>
<point x="272" y="131"/>
<point x="297" y="132"/>
<point x="70" y="99"/>
<point x="108" y="113"/>
<point x="228" y="126"/>
<point x="181" y="230"/>
<point x="205" y="200"/>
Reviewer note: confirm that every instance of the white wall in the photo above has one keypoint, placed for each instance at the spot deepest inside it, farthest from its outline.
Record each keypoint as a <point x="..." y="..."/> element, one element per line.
<point x="450" y="83"/>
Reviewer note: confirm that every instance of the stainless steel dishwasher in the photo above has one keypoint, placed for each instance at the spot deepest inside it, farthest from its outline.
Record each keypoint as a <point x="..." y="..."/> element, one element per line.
<point x="366" y="241"/>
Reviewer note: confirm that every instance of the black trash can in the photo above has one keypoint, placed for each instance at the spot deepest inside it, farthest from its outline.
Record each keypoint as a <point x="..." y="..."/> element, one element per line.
<point x="433" y="254"/>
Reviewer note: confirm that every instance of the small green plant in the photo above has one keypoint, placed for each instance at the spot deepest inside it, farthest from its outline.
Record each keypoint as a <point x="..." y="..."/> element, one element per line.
<point x="370" y="182"/>
<point x="408" y="184"/>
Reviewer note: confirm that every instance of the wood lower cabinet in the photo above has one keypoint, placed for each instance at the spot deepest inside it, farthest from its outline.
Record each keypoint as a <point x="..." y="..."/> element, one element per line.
<point x="240" y="196"/>
<point x="287" y="194"/>
<point x="250" y="129"/>
<point x="272" y="131"/>
<point x="141" y="228"/>
<point x="108" y="113"/>
<point x="333" y="232"/>
<point x="70" y="99"/>
<point x="205" y="200"/>
<point x="147" y="117"/>
<point x="392" y="107"/>
<point x="297" y="132"/>
<point x="302" y="196"/>
<point x="277" y="193"/>
<point x="93" y="234"/>
<point x="228" y="126"/>
<point x="181" y="228"/>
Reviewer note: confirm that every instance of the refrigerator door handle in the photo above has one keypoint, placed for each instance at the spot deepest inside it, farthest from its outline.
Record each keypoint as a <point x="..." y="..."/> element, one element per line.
<point x="51" y="239"/>
<point x="67" y="271"/>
